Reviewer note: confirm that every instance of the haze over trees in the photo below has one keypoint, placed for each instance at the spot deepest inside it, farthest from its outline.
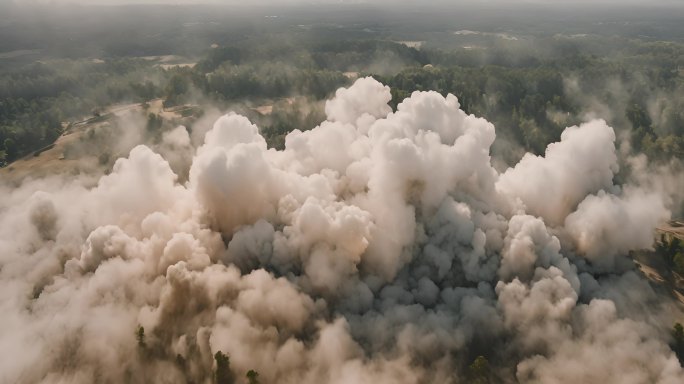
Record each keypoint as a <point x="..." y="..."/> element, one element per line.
<point x="532" y="87"/>
<point x="341" y="193"/>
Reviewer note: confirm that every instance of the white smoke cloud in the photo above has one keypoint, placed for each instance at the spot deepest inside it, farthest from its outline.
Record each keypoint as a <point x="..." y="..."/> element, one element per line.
<point x="604" y="225"/>
<point x="582" y="163"/>
<point x="378" y="247"/>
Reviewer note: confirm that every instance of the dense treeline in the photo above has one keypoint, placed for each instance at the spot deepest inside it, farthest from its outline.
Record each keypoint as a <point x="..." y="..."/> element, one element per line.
<point x="534" y="104"/>
<point x="332" y="55"/>
<point x="278" y="68"/>
<point x="530" y="92"/>
<point x="515" y="99"/>
<point x="35" y="100"/>
<point x="231" y="83"/>
<point x="672" y="250"/>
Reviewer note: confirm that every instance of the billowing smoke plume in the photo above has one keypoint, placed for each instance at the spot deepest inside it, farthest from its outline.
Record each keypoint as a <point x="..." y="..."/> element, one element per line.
<point x="378" y="247"/>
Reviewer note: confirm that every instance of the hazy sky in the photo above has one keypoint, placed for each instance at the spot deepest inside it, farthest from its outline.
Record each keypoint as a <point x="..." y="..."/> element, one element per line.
<point x="392" y="2"/>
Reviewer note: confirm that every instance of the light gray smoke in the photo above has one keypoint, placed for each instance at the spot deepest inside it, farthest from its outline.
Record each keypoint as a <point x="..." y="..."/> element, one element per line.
<point x="378" y="247"/>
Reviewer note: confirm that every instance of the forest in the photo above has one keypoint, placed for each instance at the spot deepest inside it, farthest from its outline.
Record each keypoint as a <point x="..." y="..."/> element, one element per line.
<point x="531" y="96"/>
<point x="342" y="192"/>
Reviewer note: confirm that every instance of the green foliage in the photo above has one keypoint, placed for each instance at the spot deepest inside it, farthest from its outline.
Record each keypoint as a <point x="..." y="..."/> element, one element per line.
<point x="252" y="377"/>
<point x="678" y="261"/>
<point x="10" y="148"/>
<point x="678" y="341"/>
<point x="140" y="336"/>
<point x="642" y="134"/>
<point x="530" y="94"/>
<point x="35" y="99"/>
<point x="479" y="371"/>
<point x="180" y="360"/>
<point x="104" y="158"/>
<point x="154" y="124"/>
<point x="183" y="85"/>
<point x="218" y="56"/>
<point x="287" y="116"/>
<point x="223" y="374"/>
<point x="674" y="245"/>
<point x="523" y="103"/>
<point x="533" y="104"/>
<point x="266" y="80"/>
<point x="672" y="249"/>
<point x="357" y="55"/>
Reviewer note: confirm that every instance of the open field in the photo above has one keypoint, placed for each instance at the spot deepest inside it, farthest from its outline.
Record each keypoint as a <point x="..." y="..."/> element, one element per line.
<point x="60" y="159"/>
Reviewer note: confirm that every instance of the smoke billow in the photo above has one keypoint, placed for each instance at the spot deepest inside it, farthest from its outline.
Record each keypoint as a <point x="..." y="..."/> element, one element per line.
<point x="378" y="247"/>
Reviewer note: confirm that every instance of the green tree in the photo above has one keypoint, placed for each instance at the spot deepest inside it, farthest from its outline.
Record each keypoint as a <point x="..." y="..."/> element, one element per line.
<point x="252" y="377"/>
<point x="641" y="124"/>
<point x="154" y="123"/>
<point x="140" y="336"/>
<point x="535" y="138"/>
<point x="678" y="261"/>
<point x="674" y="246"/>
<point x="673" y="252"/>
<point x="11" y="150"/>
<point x="479" y="371"/>
<point x="223" y="373"/>
<point x="678" y="341"/>
<point x="661" y="246"/>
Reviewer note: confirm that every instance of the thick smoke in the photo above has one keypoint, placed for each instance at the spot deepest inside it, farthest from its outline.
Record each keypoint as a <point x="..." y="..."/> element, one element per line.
<point x="378" y="247"/>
